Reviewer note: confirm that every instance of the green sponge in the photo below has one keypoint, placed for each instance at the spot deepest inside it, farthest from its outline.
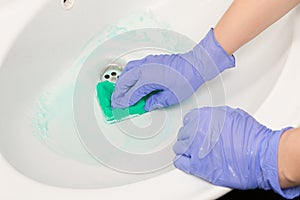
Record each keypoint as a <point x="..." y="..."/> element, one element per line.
<point x="104" y="92"/>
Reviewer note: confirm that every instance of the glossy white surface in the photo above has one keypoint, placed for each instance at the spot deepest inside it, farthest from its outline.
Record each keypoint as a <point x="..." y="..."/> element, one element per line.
<point x="51" y="40"/>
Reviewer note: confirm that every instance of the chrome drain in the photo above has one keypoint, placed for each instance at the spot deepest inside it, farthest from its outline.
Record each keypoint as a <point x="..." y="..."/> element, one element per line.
<point x="111" y="73"/>
<point x="67" y="4"/>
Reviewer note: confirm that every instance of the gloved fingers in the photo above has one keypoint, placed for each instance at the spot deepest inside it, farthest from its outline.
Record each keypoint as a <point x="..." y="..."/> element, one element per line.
<point x="181" y="147"/>
<point x="191" y="116"/>
<point x="232" y="110"/>
<point x="126" y="81"/>
<point x="132" y="64"/>
<point x="205" y="118"/>
<point x="243" y="113"/>
<point x="229" y="109"/>
<point x="150" y="59"/>
<point x="237" y="114"/>
<point x="212" y="117"/>
<point x="188" y="131"/>
<point x="161" y="99"/>
<point x="128" y="90"/>
<point x="183" y="163"/>
<point x="134" y="95"/>
<point x="182" y="135"/>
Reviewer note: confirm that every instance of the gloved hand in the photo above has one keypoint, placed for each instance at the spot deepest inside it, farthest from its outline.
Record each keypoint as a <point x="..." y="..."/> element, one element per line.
<point x="176" y="76"/>
<point x="228" y="147"/>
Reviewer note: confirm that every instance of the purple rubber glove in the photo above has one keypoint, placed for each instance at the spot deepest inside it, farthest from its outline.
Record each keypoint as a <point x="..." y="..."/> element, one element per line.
<point x="228" y="147"/>
<point x="175" y="76"/>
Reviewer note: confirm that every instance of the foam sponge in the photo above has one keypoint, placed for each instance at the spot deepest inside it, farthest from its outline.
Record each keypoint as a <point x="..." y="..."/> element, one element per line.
<point x="104" y="91"/>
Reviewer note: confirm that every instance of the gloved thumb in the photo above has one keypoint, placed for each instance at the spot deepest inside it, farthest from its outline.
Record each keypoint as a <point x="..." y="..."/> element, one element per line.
<point x="161" y="99"/>
<point x="183" y="163"/>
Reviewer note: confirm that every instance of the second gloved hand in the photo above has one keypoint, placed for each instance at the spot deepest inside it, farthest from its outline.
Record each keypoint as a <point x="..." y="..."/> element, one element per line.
<point x="176" y="77"/>
<point x="228" y="147"/>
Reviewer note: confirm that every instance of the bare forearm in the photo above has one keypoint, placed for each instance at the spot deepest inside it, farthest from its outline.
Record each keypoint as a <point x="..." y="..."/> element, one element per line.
<point x="289" y="158"/>
<point x="245" y="19"/>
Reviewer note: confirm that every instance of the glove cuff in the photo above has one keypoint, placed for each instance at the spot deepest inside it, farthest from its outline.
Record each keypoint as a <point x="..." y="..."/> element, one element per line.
<point x="209" y="58"/>
<point x="269" y="167"/>
<point x="216" y="52"/>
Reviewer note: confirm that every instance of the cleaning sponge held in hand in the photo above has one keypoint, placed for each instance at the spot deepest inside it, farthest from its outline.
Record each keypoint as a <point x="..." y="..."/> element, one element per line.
<point x="104" y="92"/>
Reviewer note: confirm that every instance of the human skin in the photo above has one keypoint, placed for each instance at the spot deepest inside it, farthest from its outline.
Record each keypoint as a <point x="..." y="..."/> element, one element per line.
<point x="289" y="158"/>
<point x="242" y="22"/>
<point x="245" y="19"/>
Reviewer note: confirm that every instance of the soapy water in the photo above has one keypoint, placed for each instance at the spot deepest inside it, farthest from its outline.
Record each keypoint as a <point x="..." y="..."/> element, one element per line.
<point x="69" y="121"/>
<point x="53" y="122"/>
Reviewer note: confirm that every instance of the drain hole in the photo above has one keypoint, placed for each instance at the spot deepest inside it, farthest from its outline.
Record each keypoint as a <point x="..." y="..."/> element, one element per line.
<point x="67" y="4"/>
<point x="111" y="73"/>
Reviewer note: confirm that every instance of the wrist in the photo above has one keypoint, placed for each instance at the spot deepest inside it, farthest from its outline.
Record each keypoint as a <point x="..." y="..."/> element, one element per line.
<point x="268" y="164"/>
<point x="288" y="158"/>
<point x="217" y="52"/>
